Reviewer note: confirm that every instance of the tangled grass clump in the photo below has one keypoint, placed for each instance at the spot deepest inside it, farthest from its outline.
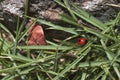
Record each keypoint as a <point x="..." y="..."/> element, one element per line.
<point x="65" y="60"/>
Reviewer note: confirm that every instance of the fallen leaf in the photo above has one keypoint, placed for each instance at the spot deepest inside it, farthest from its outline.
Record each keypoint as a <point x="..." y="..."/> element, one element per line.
<point x="36" y="35"/>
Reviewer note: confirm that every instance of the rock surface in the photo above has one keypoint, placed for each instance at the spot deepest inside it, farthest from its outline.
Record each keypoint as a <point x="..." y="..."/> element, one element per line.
<point x="37" y="8"/>
<point x="13" y="7"/>
<point x="97" y="4"/>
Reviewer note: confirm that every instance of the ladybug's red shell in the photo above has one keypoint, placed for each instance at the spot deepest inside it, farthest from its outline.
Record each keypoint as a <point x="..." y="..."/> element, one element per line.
<point x="82" y="41"/>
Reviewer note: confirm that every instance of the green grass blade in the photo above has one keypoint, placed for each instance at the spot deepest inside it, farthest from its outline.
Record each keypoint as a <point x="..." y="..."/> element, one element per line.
<point x="69" y="20"/>
<point x="59" y="2"/>
<point x="58" y="27"/>
<point x="93" y="64"/>
<point x="45" y="47"/>
<point x="5" y="29"/>
<point x="69" y="9"/>
<point x="89" y="18"/>
<point x="99" y="34"/>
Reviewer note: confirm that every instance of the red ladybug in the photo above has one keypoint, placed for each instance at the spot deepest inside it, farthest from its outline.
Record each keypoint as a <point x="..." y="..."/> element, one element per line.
<point x="82" y="41"/>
